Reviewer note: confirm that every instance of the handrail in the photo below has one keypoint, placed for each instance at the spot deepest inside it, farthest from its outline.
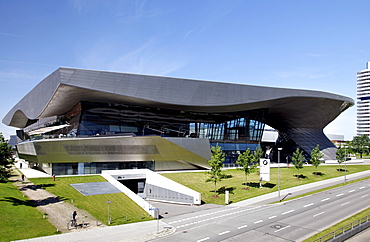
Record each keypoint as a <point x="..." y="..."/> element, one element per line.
<point x="341" y="231"/>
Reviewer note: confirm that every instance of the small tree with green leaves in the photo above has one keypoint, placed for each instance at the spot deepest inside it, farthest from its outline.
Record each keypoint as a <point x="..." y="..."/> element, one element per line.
<point x="340" y="154"/>
<point x="316" y="155"/>
<point x="5" y="159"/>
<point x="298" y="159"/>
<point x="245" y="160"/>
<point x="257" y="155"/>
<point x="360" y="144"/>
<point x="216" y="164"/>
<point x="249" y="161"/>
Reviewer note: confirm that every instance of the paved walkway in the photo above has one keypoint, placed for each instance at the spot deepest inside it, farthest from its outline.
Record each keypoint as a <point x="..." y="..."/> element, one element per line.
<point x="57" y="211"/>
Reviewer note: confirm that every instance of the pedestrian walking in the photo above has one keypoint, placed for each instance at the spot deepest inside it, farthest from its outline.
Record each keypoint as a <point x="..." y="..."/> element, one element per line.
<point x="22" y="177"/>
<point x="74" y="214"/>
<point x="20" y="165"/>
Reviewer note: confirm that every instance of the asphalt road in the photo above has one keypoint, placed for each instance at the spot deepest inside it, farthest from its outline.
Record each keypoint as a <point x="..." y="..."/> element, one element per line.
<point x="293" y="220"/>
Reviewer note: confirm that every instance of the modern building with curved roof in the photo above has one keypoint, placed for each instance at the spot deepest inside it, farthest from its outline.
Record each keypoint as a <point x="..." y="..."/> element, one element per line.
<point x="161" y="123"/>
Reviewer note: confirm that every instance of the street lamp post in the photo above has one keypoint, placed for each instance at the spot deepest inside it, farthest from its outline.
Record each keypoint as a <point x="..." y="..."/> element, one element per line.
<point x="108" y="202"/>
<point x="279" y="149"/>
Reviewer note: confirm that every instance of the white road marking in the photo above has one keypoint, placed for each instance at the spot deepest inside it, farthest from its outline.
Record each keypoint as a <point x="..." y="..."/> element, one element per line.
<point x="362" y="187"/>
<point x="287" y="212"/>
<point x="344" y="204"/>
<point x="225" y="232"/>
<point x="244" y="226"/>
<point x="206" y="238"/>
<point x="352" y="190"/>
<point x="259" y="221"/>
<point x="305" y="206"/>
<point x="340" y="194"/>
<point x="272" y="217"/>
<point x="282" y="228"/>
<point x="325" y="199"/>
<point x="317" y="214"/>
<point x="364" y="195"/>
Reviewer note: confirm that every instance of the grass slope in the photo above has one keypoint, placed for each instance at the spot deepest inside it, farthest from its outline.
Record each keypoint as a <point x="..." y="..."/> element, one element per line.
<point x="121" y="206"/>
<point x="236" y="183"/>
<point x="20" y="219"/>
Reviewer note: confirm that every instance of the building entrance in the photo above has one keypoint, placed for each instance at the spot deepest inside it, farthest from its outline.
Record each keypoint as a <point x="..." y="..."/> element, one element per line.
<point x="135" y="185"/>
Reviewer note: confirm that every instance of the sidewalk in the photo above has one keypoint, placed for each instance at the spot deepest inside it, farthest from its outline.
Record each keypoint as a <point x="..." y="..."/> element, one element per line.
<point x="29" y="172"/>
<point x="55" y="210"/>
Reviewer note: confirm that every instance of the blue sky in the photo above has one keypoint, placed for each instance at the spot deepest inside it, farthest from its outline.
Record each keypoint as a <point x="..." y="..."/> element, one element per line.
<point x="316" y="45"/>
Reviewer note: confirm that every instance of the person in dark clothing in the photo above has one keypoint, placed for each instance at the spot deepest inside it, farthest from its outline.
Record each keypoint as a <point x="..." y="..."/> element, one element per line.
<point x="74" y="214"/>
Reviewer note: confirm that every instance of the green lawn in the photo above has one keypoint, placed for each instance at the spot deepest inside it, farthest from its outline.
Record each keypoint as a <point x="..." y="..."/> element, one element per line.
<point x="19" y="216"/>
<point x="235" y="184"/>
<point x="121" y="207"/>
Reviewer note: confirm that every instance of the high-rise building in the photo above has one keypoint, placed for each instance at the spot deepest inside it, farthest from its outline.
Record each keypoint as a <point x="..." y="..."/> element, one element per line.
<point x="363" y="101"/>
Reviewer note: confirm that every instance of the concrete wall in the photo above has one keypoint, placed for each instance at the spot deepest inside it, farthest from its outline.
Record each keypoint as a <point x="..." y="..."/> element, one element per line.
<point x="157" y="188"/>
<point x="137" y="199"/>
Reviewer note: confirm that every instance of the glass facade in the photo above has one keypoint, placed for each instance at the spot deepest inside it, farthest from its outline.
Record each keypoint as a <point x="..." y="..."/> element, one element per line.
<point x="110" y="119"/>
<point x="233" y="131"/>
<point x="232" y="150"/>
<point x="97" y="167"/>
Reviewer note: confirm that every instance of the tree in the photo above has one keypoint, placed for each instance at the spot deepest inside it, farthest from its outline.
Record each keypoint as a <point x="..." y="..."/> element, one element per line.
<point x="360" y="144"/>
<point x="298" y="159"/>
<point x="216" y="164"/>
<point x="316" y="155"/>
<point x="340" y="154"/>
<point x="5" y="159"/>
<point x="245" y="160"/>
<point x="257" y="155"/>
<point x="249" y="161"/>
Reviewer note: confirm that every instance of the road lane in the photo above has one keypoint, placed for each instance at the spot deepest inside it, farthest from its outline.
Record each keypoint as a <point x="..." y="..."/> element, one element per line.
<point x="291" y="220"/>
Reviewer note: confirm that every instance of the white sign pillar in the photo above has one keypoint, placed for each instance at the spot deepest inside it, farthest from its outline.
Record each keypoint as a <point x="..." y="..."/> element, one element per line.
<point x="227" y="197"/>
<point x="264" y="169"/>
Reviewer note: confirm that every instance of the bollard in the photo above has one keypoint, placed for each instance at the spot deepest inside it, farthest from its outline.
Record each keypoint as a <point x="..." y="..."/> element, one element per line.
<point x="126" y="218"/>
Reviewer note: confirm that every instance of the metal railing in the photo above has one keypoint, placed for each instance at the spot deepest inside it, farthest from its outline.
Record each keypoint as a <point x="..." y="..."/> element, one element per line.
<point x="341" y="231"/>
